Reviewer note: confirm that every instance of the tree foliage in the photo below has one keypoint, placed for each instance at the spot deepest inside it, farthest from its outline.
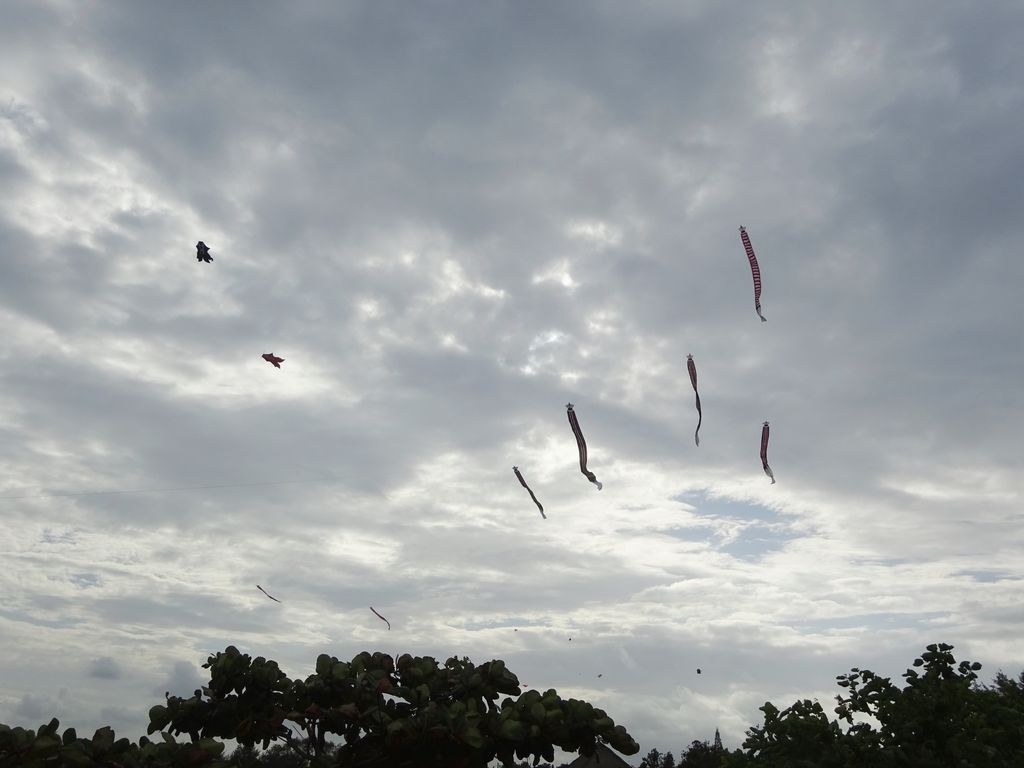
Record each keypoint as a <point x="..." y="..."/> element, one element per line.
<point x="940" y="717"/>
<point x="369" y="712"/>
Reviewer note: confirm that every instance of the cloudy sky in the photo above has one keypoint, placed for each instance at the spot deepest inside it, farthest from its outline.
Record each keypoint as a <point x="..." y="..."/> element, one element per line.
<point x="450" y="219"/>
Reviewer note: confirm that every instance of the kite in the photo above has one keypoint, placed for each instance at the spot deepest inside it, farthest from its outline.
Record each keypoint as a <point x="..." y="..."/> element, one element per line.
<point x="381" y="618"/>
<point x="203" y="252"/>
<point x="693" y="380"/>
<point x="698" y="670"/>
<point x="261" y="589"/>
<point x="755" y="271"/>
<point x="275" y="361"/>
<point x="523" y="483"/>
<point x="764" y="452"/>
<point x="582" y="445"/>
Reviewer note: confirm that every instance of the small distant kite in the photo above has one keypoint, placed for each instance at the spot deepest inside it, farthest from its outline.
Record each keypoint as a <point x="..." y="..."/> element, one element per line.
<point x="764" y="452"/>
<point x="692" y="368"/>
<point x="582" y="445"/>
<point x="261" y="589"/>
<point x="755" y="271"/>
<point x="530" y="491"/>
<point x="698" y="670"/>
<point x="203" y="253"/>
<point x="381" y="618"/>
<point x="275" y="361"/>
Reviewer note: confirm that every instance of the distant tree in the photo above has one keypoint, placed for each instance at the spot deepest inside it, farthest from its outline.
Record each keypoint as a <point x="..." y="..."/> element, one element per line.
<point x="940" y="717"/>
<point x="276" y="756"/>
<point x="651" y="760"/>
<point x="700" y="755"/>
<point x="668" y="761"/>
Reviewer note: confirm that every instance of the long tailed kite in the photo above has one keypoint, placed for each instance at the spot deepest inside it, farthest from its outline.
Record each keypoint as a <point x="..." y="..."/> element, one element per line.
<point x="582" y="445"/>
<point x="530" y="491"/>
<point x="261" y="589"/>
<point x="755" y="271"/>
<point x="692" y="368"/>
<point x="380" y="617"/>
<point x="764" y="452"/>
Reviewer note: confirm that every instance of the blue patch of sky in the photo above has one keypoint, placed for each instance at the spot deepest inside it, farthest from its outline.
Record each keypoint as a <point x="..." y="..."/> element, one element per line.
<point x="83" y="580"/>
<point x="26" y="618"/>
<point x="988" y="576"/>
<point x="756" y="542"/>
<point x="510" y="623"/>
<point x="869" y="621"/>
<point x="763" y="531"/>
<point x="729" y="509"/>
<point x="63" y="537"/>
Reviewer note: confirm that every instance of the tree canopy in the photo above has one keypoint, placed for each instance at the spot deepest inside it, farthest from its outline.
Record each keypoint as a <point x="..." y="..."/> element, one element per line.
<point x="369" y="712"/>
<point x="940" y="717"/>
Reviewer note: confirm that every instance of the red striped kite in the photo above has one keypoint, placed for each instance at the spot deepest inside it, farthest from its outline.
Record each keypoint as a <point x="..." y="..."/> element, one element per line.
<point x="755" y="271"/>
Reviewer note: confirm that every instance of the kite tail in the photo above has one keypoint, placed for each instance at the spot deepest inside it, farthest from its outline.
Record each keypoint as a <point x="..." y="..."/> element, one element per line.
<point x="760" y="314"/>
<point x="700" y="418"/>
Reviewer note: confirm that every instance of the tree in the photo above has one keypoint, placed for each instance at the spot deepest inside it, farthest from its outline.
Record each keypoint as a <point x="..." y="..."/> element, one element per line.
<point x="940" y="717"/>
<point x="651" y="760"/>
<point x="415" y="712"/>
<point x="701" y="755"/>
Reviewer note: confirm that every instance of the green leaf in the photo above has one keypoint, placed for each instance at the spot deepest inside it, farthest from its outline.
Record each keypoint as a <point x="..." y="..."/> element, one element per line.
<point x="512" y="730"/>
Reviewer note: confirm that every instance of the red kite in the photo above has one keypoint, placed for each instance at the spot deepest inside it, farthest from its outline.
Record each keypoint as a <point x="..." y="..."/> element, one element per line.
<point x="523" y="483"/>
<point x="764" y="452"/>
<point x="755" y="271"/>
<point x="275" y="361"/>
<point x="203" y="252"/>
<point x="693" y="380"/>
<point x="381" y="618"/>
<point x="261" y="589"/>
<point x="582" y="445"/>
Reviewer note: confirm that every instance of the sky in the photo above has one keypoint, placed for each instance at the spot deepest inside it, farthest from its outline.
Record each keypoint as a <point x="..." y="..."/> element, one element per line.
<point x="450" y="219"/>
